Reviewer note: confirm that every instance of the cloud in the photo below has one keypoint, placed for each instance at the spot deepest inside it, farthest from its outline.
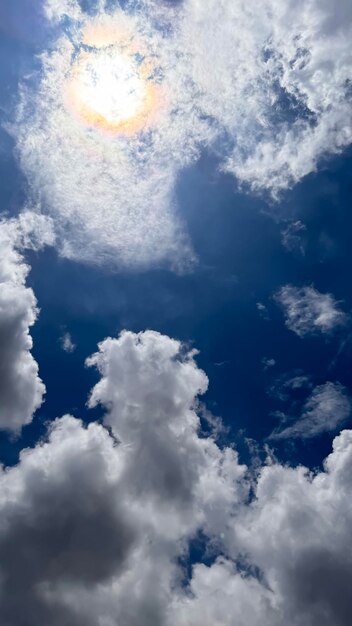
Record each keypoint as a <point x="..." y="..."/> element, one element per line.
<point x="67" y="343"/>
<point x="130" y="219"/>
<point x="308" y="311"/>
<point x="62" y="523"/>
<point x="97" y="522"/>
<point x="287" y="383"/>
<point x="292" y="237"/>
<point x="21" y="389"/>
<point x="296" y="531"/>
<point x="55" y="10"/>
<point x="149" y="384"/>
<point x="289" y="560"/>
<point x="276" y="101"/>
<point x="263" y="311"/>
<point x="326" y="409"/>
<point x="267" y="363"/>
<point x="101" y="518"/>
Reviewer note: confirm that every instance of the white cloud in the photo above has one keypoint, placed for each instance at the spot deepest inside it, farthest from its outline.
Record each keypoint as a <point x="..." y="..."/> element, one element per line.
<point x="62" y="525"/>
<point x="275" y="101"/>
<point x="150" y="385"/>
<point x="21" y="390"/>
<point x="326" y="409"/>
<point x="94" y="522"/>
<point x="55" y="10"/>
<point x="296" y="531"/>
<point x="67" y="344"/>
<point x="289" y="560"/>
<point x="308" y="311"/>
<point x="112" y="197"/>
<point x="100" y="521"/>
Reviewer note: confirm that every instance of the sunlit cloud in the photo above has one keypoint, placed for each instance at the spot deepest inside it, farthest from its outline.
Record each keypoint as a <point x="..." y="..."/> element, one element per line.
<point x="129" y="97"/>
<point x="103" y="148"/>
<point x="111" y="85"/>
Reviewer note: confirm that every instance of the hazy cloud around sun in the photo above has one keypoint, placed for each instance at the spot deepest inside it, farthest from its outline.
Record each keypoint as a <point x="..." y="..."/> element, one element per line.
<point x="275" y="101"/>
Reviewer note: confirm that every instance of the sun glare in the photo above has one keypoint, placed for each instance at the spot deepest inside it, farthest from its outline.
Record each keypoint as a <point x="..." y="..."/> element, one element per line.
<point x="111" y="86"/>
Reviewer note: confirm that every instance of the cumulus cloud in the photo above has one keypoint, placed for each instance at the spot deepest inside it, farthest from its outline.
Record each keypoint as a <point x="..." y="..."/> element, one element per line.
<point x="326" y="409"/>
<point x="296" y="531"/>
<point x="150" y="383"/>
<point x="97" y="522"/>
<point x="292" y="564"/>
<point x="63" y="523"/>
<point x="101" y="518"/>
<point x="276" y="101"/>
<point x="21" y="390"/>
<point x="308" y="311"/>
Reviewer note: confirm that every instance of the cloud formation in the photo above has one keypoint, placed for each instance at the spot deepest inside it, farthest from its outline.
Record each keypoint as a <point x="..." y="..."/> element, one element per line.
<point x="276" y="101"/>
<point x="100" y="520"/>
<point x="295" y="531"/>
<point x="97" y="522"/>
<point x="308" y="311"/>
<point x="21" y="389"/>
<point x="326" y="409"/>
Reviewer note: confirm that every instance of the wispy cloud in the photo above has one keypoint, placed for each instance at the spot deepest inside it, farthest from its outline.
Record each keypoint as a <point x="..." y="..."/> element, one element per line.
<point x="326" y="409"/>
<point x="307" y="311"/>
<point x="292" y="237"/>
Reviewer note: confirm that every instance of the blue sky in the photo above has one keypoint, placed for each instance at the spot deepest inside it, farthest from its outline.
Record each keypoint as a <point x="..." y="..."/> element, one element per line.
<point x="224" y="227"/>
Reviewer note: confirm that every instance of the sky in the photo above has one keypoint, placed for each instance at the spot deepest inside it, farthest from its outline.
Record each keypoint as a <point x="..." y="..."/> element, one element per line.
<point x="175" y="313"/>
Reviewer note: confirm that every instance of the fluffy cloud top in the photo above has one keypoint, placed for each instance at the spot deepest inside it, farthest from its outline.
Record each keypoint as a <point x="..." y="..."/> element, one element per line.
<point x="308" y="311"/>
<point x="21" y="390"/>
<point x="96" y="523"/>
<point x="150" y="385"/>
<point x="296" y="531"/>
<point x="100" y="520"/>
<point x="276" y="100"/>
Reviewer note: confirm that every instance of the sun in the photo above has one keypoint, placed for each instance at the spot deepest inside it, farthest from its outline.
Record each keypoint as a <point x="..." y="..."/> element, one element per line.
<point x="111" y="84"/>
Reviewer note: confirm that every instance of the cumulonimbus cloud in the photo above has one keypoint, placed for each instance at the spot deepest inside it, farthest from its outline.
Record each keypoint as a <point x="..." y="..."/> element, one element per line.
<point x="265" y="86"/>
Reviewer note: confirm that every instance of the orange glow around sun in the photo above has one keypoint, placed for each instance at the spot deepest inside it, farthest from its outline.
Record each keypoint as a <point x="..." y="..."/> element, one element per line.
<point x="110" y="85"/>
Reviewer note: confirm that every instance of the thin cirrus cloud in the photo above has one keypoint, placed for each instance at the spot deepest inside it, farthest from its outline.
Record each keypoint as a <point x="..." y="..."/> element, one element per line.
<point x="308" y="311"/>
<point x="327" y="409"/>
<point x="132" y="498"/>
<point x="271" y="107"/>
